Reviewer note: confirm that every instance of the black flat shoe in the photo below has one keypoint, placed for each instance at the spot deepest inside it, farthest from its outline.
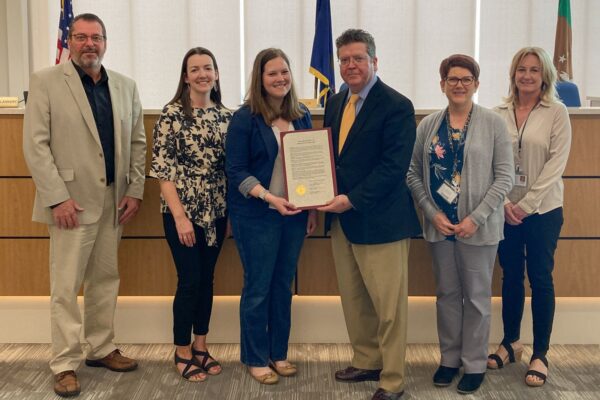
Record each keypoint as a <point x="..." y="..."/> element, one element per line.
<point x="469" y="383"/>
<point x="444" y="376"/>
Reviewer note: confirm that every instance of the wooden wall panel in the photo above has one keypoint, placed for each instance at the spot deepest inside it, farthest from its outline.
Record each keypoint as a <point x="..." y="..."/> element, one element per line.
<point x="149" y="121"/>
<point x="142" y="275"/>
<point x="12" y="162"/>
<point x="581" y="203"/>
<point x="580" y="210"/>
<point x="316" y="272"/>
<point x="575" y="273"/>
<point x="24" y="267"/>
<point x="148" y="221"/>
<point x="576" y="268"/>
<point x="585" y="142"/>
<point x="147" y="268"/>
<point x="145" y="265"/>
<point x="229" y="274"/>
<point x="16" y="197"/>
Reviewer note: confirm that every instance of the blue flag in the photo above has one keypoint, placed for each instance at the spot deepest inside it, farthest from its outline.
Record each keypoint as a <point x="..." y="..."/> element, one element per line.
<point x="62" y="46"/>
<point x="321" y="61"/>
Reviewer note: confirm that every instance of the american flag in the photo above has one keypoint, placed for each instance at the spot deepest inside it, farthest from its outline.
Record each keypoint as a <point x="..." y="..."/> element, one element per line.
<point x="66" y="16"/>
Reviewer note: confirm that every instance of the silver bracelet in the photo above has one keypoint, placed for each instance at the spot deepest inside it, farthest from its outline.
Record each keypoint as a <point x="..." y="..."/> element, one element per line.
<point x="263" y="193"/>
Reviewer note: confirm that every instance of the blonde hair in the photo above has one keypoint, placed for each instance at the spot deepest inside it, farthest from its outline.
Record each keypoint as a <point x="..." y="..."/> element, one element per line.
<point x="256" y="97"/>
<point x="549" y="75"/>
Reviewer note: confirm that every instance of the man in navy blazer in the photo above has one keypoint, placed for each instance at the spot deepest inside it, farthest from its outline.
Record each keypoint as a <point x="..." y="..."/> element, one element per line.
<point x="373" y="217"/>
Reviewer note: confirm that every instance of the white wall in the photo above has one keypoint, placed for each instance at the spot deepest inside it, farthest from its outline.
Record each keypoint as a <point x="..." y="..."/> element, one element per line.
<point x="14" y="60"/>
<point x="147" y="39"/>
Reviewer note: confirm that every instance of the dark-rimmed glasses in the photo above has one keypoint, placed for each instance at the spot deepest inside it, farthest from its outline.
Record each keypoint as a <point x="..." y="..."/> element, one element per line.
<point x="81" y="38"/>
<point x="465" y="80"/>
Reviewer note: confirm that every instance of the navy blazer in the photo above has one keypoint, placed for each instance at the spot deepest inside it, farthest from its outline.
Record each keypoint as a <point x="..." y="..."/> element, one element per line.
<point x="371" y="169"/>
<point x="251" y="150"/>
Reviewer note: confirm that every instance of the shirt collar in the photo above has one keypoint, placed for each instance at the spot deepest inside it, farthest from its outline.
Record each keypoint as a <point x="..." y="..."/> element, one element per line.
<point x="365" y="91"/>
<point x="83" y="74"/>
<point x="511" y="106"/>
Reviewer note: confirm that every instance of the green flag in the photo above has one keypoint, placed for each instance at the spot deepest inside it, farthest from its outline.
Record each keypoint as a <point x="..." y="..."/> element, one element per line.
<point x="562" y="42"/>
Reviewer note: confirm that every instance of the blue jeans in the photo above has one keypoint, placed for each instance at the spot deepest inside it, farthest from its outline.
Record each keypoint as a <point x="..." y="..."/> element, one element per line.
<point x="532" y="245"/>
<point x="269" y="247"/>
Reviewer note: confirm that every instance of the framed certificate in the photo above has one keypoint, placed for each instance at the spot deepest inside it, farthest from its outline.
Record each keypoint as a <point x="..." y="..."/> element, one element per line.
<point x="308" y="167"/>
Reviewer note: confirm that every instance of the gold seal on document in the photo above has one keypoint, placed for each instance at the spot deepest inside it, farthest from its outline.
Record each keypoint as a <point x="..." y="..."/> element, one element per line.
<point x="301" y="190"/>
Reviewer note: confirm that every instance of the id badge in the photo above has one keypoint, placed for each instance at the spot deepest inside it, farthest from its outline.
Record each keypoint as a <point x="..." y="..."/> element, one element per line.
<point x="520" y="180"/>
<point x="447" y="192"/>
<point x="520" y="177"/>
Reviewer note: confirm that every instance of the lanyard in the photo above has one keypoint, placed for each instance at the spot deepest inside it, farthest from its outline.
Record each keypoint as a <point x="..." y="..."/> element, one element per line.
<point x="461" y="138"/>
<point x="521" y="132"/>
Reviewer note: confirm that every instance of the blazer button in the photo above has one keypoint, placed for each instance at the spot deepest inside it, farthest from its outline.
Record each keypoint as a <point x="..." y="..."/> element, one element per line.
<point x="102" y="180"/>
<point x="101" y="155"/>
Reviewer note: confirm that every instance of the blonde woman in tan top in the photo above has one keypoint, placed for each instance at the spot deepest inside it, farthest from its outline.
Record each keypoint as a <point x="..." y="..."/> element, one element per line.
<point x="541" y="132"/>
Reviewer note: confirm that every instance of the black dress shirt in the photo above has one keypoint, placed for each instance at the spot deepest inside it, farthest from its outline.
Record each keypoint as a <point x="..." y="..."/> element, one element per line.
<point x="99" y="98"/>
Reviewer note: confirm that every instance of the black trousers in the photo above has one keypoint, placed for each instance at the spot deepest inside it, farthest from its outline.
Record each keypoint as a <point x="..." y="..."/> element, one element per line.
<point x="195" y="266"/>
<point x="530" y="244"/>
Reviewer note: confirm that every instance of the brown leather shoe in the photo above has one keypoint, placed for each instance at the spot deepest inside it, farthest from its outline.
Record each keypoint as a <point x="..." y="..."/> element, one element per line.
<point x="382" y="394"/>
<point x="114" y="361"/>
<point x="66" y="384"/>
<point x="351" y="374"/>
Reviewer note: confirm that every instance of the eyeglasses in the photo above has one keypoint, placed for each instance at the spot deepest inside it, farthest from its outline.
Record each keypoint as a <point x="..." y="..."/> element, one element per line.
<point x="81" y="38"/>
<point x="465" y="80"/>
<point x="358" y="60"/>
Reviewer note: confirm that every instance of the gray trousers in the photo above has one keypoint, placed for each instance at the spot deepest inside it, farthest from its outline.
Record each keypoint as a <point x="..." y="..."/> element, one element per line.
<point x="463" y="275"/>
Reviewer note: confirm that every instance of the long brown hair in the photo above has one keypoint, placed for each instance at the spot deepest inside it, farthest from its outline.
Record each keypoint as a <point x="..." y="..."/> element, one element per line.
<point x="182" y="95"/>
<point x="256" y="98"/>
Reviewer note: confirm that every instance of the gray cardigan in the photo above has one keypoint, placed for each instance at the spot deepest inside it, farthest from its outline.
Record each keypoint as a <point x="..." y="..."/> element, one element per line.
<point x="487" y="175"/>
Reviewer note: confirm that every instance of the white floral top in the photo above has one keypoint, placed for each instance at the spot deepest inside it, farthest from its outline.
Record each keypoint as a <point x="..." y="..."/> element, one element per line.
<point x="191" y="154"/>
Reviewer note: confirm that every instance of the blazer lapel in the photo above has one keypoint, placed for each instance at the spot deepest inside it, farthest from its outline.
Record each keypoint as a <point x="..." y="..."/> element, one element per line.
<point x="369" y="106"/>
<point x="266" y="132"/>
<point x="114" y="89"/>
<point x="74" y="82"/>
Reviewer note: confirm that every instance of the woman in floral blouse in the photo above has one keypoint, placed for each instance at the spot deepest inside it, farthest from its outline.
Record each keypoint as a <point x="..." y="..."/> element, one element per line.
<point x="460" y="172"/>
<point x="188" y="158"/>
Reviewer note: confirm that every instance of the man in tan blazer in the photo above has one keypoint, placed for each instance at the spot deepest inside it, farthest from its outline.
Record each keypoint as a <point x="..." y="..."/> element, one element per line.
<point x="85" y="146"/>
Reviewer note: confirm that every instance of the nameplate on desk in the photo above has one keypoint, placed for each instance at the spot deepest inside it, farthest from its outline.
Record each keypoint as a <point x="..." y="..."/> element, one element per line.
<point x="9" y="102"/>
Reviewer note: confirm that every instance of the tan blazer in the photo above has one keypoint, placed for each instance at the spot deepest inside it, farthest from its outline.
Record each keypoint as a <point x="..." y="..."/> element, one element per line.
<point x="62" y="145"/>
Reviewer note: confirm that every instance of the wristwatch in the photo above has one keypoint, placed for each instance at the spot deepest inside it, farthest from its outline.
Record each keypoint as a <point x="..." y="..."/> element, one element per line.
<point x="263" y="193"/>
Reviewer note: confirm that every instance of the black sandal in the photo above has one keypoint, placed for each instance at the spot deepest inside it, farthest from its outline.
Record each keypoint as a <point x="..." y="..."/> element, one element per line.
<point x="206" y="366"/>
<point x="537" y="374"/>
<point x="189" y="363"/>
<point x="512" y="356"/>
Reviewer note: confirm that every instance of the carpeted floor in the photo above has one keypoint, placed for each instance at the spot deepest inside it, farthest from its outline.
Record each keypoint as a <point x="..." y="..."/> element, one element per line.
<point x="24" y="375"/>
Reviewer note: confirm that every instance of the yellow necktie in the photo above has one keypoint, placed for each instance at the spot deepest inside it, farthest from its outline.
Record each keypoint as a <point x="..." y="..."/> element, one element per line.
<point x="347" y="120"/>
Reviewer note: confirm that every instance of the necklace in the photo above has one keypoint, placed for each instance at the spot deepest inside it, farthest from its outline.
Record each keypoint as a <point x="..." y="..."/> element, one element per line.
<point x="458" y="136"/>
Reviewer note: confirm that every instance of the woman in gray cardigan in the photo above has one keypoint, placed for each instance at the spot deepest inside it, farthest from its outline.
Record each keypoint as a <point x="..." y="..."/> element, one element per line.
<point x="460" y="172"/>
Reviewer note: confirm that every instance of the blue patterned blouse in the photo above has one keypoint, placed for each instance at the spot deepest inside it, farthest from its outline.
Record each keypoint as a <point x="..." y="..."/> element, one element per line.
<point x="445" y="165"/>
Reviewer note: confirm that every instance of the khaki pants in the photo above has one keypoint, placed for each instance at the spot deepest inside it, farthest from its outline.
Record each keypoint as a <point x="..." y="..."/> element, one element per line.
<point x="372" y="280"/>
<point x="88" y="255"/>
